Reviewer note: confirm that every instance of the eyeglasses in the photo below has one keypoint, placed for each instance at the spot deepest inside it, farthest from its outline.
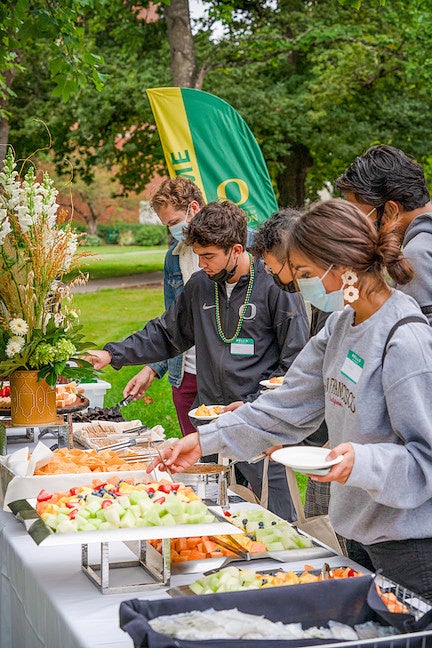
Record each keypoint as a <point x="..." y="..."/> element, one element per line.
<point x="270" y="271"/>
<point x="291" y="286"/>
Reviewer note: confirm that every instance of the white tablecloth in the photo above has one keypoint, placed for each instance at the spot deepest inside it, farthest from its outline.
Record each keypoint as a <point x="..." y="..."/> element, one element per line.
<point x="47" y="601"/>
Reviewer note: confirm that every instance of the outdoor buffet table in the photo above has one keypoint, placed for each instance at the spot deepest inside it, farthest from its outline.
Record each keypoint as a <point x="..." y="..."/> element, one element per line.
<point x="46" y="600"/>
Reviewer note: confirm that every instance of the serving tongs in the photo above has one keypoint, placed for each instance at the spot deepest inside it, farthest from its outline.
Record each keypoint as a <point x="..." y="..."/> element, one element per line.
<point x="136" y="430"/>
<point x="118" y="446"/>
<point x="232" y="545"/>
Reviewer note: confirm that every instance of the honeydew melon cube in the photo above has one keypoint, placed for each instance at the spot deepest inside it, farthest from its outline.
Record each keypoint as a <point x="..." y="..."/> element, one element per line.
<point x="197" y="588"/>
<point x="252" y="526"/>
<point x="142" y="522"/>
<point x="247" y="578"/>
<point x="87" y="526"/>
<point x="137" y="496"/>
<point x="94" y="505"/>
<point x="152" y="518"/>
<point x="67" y="526"/>
<point x="263" y="535"/>
<point x="208" y="518"/>
<point x="180" y="519"/>
<point x="96" y="522"/>
<point x="124" y="501"/>
<point x="145" y="505"/>
<point x="195" y="519"/>
<point x="289" y="542"/>
<point x="112" y="516"/>
<point x="136" y="510"/>
<point x="173" y="506"/>
<point x="275" y="546"/>
<point x="195" y="507"/>
<point x="167" y="520"/>
<point x="128" y="520"/>
<point x="227" y="573"/>
<point x="51" y="520"/>
<point x="92" y="498"/>
<point x="108" y="525"/>
<point x="100" y="515"/>
<point x="63" y="510"/>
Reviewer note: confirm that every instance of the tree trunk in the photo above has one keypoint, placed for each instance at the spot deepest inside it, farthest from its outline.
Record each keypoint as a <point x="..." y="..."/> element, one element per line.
<point x="4" y="122"/>
<point x="291" y="180"/>
<point x="183" y="60"/>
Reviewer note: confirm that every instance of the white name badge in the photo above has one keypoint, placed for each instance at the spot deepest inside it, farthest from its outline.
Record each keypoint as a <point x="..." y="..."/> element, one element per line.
<point x="352" y="367"/>
<point x="243" y="347"/>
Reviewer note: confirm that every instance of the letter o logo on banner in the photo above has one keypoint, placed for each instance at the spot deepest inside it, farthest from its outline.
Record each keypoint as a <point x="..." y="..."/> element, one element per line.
<point x="241" y="189"/>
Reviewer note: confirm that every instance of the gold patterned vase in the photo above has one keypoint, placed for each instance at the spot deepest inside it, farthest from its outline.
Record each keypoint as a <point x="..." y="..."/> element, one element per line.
<point x="33" y="401"/>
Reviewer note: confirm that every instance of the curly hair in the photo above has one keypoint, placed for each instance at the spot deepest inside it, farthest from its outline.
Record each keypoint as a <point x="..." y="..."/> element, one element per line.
<point x="273" y="234"/>
<point x="178" y="192"/>
<point x="220" y="224"/>
<point x="336" y="232"/>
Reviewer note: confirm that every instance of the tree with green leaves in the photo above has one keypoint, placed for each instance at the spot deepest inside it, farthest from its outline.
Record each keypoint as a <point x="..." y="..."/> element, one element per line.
<point x="318" y="82"/>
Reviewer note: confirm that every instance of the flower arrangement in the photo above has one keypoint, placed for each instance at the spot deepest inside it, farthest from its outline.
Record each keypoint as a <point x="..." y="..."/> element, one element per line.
<point x="38" y="328"/>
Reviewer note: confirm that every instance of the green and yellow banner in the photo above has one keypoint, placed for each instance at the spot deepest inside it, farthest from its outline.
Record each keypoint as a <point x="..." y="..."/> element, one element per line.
<point x="205" y="139"/>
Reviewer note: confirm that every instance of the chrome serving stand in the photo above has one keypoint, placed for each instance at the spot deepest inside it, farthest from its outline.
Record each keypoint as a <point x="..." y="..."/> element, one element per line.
<point x="156" y="565"/>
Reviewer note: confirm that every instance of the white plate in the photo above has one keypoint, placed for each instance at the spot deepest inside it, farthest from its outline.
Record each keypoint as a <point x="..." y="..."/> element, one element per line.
<point x="205" y="418"/>
<point x="308" y="460"/>
<point x="269" y="385"/>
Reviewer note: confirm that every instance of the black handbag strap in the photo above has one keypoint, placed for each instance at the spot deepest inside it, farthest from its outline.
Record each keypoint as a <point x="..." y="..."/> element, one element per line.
<point x="401" y="322"/>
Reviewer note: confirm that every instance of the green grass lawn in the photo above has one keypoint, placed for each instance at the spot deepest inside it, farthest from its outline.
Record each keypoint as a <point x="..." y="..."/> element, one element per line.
<point x="119" y="261"/>
<point x="111" y="315"/>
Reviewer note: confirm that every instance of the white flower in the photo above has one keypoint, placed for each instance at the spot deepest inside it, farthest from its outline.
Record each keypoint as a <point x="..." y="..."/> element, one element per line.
<point x="18" y="326"/>
<point x="351" y="294"/>
<point x="14" y="346"/>
<point x="349" y="278"/>
<point x="5" y="229"/>
<point x="58" y="319"/>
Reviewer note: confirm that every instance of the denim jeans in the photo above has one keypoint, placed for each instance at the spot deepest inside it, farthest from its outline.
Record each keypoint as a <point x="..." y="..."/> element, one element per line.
<point x="407" y="562"/>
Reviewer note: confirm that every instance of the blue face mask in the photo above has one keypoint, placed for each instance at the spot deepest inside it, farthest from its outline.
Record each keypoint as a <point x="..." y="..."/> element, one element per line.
<point x="177" y="230"/>
<point x="314" y="292"/>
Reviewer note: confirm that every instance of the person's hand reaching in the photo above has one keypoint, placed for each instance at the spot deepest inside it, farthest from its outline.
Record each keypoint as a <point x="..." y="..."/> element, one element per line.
<point x="138" y="385"/>
<point x="98" y="358"/>
<point x="180" y="455"/>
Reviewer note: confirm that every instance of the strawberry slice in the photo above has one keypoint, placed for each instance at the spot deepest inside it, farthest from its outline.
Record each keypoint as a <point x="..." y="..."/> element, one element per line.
<point x="44" y="496"/>
<point x="106" y="503"/>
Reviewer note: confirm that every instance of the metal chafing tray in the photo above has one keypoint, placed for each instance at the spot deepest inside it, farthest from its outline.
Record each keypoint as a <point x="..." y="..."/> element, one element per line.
<point x="158" y="566"/>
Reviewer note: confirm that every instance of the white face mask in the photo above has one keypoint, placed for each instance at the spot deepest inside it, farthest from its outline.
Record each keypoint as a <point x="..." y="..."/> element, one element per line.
<point x="176" y="230"/>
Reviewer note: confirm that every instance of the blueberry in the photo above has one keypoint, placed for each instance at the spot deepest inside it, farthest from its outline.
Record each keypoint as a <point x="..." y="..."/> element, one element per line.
<point x="274" y="522"/>
<point x="251" y="536"/>
<point x="217" y="548"/>
<point x="264" y="581"/>
<point x="244" y="521"/>
<point x="261" y="525"/>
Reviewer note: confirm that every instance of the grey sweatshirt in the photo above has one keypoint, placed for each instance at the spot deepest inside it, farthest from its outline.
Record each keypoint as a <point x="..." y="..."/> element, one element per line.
<point x="417" y="247"/>
<point x="385" y="411"/>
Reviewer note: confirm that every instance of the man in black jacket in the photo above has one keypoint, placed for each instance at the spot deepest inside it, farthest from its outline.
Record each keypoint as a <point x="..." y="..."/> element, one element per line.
<point x="243" y="327"/>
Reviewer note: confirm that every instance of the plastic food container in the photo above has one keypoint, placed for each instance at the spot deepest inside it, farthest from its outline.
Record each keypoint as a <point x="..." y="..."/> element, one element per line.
<point x="95" y="392"/>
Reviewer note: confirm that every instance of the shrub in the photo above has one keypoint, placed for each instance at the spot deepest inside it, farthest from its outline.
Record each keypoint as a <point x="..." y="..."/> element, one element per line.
<point x="92" y="240"/>
<point x="126" y="237"/>
<point x="150" y="235"/>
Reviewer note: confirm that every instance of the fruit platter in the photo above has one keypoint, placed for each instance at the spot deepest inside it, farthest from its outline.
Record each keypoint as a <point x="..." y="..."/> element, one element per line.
<point x="118" y="509"/>
<point x="233" y="579"/>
